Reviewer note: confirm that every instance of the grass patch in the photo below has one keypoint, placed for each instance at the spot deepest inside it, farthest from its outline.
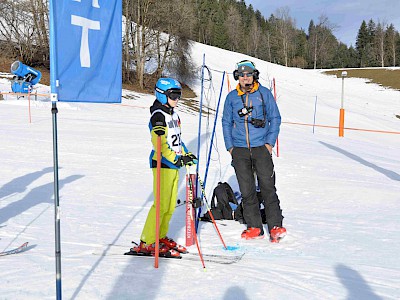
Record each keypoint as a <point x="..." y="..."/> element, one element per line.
<point x="384" y="77"/>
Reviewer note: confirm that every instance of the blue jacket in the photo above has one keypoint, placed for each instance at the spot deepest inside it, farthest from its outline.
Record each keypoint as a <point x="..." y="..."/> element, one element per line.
<point x="238" y="132"/>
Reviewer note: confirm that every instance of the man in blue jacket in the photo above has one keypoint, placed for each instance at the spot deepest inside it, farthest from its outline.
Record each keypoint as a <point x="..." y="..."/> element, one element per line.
<point x="250" y="124"/>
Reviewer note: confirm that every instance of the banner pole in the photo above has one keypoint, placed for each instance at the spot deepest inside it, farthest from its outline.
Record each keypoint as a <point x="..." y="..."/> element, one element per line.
<point x="54" y="111"/>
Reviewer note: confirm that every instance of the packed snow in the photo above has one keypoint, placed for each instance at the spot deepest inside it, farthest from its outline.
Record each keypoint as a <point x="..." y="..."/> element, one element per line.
<point x="340" y="195"/>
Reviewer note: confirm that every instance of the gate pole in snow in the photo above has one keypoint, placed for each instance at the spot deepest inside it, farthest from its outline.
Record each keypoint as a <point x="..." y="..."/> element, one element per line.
<point x="199" y="132"/>
<point x="212" y="134"/>
<point x="315" y="113"/>
<point x="277" y="139"/>
<point x="341" y="114"/>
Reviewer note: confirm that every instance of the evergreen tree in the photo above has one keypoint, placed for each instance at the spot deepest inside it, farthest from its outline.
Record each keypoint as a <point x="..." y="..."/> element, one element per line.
<point x="353" y="59"/>
<point x="361" y="43"/>
<point x="300" y="50"/>
<point x="371" y="50"/>
<point x="220" y="37"/>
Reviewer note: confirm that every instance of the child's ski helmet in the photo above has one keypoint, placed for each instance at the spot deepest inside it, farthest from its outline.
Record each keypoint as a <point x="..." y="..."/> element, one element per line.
<point x="164" y="86"/>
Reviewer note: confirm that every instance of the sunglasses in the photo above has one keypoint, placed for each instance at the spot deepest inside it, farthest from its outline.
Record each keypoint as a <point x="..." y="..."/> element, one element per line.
<point x="173" y="94"/>
<point x="241" y="74"/>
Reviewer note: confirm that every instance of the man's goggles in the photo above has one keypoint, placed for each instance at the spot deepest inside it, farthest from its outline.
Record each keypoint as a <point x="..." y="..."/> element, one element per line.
<point x="241" y="74"/>
<point x="173" y="94"/>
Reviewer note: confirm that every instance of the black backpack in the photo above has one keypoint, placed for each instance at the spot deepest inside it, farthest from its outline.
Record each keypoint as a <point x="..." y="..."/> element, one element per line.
<point x="220" y="207"/>
<point x="238" y="213"/>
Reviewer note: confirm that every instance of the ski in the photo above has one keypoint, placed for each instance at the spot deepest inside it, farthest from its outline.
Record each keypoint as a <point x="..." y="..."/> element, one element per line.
<point x="15" y="250"/>
<point x="218" y="258"/>
<point x="211" y="258"/>
<point x="161" y="255"/>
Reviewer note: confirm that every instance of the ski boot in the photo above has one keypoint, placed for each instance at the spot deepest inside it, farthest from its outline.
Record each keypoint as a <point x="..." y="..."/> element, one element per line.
<point x="172" y="245"/>
<point x="276" y="234"/>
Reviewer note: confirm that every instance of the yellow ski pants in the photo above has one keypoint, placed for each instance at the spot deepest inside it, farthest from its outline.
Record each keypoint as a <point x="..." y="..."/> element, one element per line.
<point x="169" y="193"/>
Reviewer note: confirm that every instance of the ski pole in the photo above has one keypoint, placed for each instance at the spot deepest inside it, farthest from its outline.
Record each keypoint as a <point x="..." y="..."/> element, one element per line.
<point x="191" y="215"/>
<point x="209" y="211"/>
<point x="158" y="195"/>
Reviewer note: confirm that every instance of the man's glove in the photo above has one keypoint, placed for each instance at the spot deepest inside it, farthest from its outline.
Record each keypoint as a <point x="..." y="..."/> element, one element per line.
<point x="186" y="160"/>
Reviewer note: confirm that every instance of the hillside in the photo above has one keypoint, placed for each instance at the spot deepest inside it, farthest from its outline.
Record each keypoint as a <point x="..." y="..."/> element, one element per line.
<point x="340" y="196"/>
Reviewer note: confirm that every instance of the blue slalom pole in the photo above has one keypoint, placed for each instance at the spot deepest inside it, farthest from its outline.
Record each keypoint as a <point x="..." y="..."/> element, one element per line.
<point x="54" y="111"/>
<point x="315" y="113"/>
<point x="199" y="130"/>
<point x="200" y="112"/>
<point x="210" y="149"/>
<point x="213" y="132"/>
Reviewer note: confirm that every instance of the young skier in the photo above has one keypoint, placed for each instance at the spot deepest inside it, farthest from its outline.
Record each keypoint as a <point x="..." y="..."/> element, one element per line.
<point x="165" y="122"/>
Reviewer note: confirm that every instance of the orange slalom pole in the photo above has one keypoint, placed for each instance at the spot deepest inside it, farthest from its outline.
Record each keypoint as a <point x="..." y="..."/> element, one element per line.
<point x="341" y="122"/>
<point x="228" y="82"/>
<point x="209" y="211"/>
<point x="158" y="196"/>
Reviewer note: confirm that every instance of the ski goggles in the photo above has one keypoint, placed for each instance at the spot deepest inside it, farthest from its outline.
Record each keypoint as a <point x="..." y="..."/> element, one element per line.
<point x="242" y="74"/>
<point x="173" y="94"/>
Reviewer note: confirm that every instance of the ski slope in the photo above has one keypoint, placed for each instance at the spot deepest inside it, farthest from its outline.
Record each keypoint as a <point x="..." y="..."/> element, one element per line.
<point x="340" y="196"/>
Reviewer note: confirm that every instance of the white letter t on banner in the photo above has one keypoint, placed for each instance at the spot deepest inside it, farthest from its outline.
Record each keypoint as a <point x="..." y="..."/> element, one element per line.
<point x="95" y="3"/>
<point x="86" y="24"/>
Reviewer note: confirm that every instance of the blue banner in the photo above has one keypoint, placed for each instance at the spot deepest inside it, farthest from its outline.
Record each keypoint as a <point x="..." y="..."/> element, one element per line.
<point x="88" y="50"/>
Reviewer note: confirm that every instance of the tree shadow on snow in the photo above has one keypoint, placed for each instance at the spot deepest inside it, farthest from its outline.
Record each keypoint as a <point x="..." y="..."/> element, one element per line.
<point x="38" y="195"/>
<point x="19" y="185"/>
<point x="119" y="286"/>
<point x="356" y="286"/>
<point x="388" y="173"/>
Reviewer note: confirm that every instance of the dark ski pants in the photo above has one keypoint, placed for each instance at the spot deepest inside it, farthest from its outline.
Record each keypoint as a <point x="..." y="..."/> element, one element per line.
<point x="257" y="160"/>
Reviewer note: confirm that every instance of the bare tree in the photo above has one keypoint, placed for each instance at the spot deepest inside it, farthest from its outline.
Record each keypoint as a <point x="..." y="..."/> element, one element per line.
<point x="380" y="42"/>
<point x="255" y="37"/>
<point x="24" y="27"/>
<point x="391" y="40"/>
<point x="322" y="42"/>
<point x="234" y="28"/>
<point x="285" y="28"/>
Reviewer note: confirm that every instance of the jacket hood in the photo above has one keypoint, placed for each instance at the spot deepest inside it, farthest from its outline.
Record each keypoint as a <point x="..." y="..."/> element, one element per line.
<point x="157" y="105"/>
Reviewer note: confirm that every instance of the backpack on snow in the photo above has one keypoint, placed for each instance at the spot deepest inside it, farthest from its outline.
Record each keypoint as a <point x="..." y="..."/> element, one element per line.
<point x="220" y="207"/>
<point x="238" y="213"/>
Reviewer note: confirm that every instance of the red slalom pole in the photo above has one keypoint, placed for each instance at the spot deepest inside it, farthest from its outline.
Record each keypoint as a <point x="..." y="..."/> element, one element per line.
<point x="209" y="211"/>
<point x="192" y="219"/>
<point x="158" y="195"/>
<point x="277" y="139"/>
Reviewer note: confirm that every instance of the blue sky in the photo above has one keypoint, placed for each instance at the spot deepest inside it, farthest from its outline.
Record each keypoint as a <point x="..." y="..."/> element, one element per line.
<point x="347" y="15"/>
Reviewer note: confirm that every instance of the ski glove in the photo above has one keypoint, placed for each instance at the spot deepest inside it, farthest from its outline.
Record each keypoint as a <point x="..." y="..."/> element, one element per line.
<point x="186" y="160"/>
